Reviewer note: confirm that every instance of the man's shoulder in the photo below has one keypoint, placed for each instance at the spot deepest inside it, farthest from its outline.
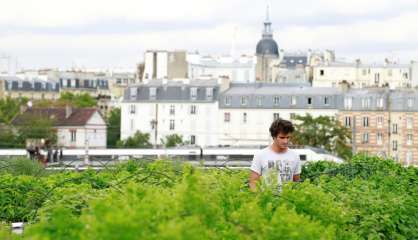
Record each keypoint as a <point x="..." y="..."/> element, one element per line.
<point x="294" y="154"/>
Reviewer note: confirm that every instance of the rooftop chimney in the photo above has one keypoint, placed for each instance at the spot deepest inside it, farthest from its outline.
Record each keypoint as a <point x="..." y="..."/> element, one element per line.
<point x="68" y="111"/>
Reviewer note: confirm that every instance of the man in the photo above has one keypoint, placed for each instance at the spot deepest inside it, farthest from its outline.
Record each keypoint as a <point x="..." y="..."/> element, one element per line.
<point x="276" y="163"/>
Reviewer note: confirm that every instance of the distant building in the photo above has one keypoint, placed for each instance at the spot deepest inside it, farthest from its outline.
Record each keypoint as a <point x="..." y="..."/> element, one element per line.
<point x="359" y="75"/>
<point x="240" y="69"/>
<point x="161" y="64"/>
<point x="76" y="128"/>
<point x="267" y="52"/>
<point x="161" y="108"/>
<point x="384" y="122"/>
<point x="34" y="88"/>
<point x="291" y="69"/>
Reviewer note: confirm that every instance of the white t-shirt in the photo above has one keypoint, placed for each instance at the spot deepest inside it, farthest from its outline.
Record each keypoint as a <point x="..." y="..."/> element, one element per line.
<point x="276" y="168"/>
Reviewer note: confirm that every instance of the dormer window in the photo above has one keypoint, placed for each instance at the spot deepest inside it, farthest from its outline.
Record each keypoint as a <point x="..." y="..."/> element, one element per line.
<point x="228" y="100"/>
<point x="244" y="100"/>
<point x="132" y="93"/>
<point x="209" y="93"/>
<point x="152" y="93"/>
<point x="259" y="101"/>
<point x="193" y="93"/>
<point x="276" y="101"/>
<point x="293" y="100"/>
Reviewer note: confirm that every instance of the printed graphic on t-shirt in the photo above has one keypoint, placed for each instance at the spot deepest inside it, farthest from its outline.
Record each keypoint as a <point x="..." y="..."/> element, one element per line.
<point x="278" y="172"/>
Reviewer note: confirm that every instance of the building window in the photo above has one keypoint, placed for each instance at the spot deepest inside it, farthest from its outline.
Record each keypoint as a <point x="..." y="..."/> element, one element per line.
<point x="293" y="100"/>
<point x="347" y="121"/>
<point x="276" y="101"/>
<point x="171" y="124"/>
<point x="244" y="100"/>
<point x="193" y="93"/>
<point x="227" y="117"/>
<point x="348" y="102"/>
<point x="409" y="139"/>
<point x="132" y="108"/>
<point x="395" y="128"/>
<point x="153" y="93"/>
<point x="379" y="103"/>
<point x="172" y="110"/>
<point x="73" y="135"/>
<point x="379" y="121"/>
<point x="244" y="117"/>
<point x="326" y="100"/>
<point x="276" y="116"/>
<point x="365" y="121"/>
<point x="132" y="125"/>
<point x="365" y="102"/>
<point x="193" y="139"/>
<point x="209" y="93"/>
<point x="193" y="109"/>
<point x="390" y="72"/>
<point x="366" y="137"/>
<point x="409" y="122"/>
<point x="394" y="145"/>
<point x="364" y="72"/>
<point x="321" y="72"/>
<point x="379" y="138"/>
<point x="309" y="101"/>
<point x="292" y="115"/>
<point x="410" y="102"/>
<point x="409" y="158"/>
<point x="227" y="100"/>
<point x="259" y="101"/>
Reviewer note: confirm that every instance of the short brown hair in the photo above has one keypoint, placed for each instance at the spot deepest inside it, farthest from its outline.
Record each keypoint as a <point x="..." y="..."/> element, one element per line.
<point x="281" y="126"/>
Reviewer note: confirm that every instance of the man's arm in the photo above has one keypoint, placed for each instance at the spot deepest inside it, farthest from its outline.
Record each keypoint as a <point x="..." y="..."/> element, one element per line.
<point x="254" y="177"/>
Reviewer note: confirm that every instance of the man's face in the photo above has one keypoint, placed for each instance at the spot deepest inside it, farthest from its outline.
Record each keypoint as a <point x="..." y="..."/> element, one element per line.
<point x="282" y="140"/>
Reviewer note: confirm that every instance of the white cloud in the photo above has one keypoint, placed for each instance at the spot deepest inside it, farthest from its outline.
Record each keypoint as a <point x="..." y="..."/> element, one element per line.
<point x="370" y="28"/>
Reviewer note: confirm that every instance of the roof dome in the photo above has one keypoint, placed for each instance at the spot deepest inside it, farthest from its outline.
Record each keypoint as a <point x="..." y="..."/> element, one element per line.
<point x="267" y="46"/>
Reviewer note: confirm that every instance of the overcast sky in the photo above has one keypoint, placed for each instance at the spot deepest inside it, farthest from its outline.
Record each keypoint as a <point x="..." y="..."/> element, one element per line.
<point x="106" y="34"/>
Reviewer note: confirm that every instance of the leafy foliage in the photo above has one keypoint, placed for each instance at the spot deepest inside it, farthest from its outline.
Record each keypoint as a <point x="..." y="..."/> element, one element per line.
<point x="324" y="132"/>
<point x="77" y="100"/>
<point x="172" y="140"/>
<point x="366" y="198"/>
<point x="138" y="140"/>
<point x="9" y="108"/>
<point x="113" y="127"/>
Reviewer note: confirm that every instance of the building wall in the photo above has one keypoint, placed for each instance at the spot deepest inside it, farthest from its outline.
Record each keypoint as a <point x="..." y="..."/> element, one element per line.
<point x="394" y="129"/>
<point x="33" y="95"/>
<point x="177" y="65"/>
<point x="362" y="76"/>
<point x="255" y="129"/>
<point x="92" y="135"/>
<point x="139" y="117"/>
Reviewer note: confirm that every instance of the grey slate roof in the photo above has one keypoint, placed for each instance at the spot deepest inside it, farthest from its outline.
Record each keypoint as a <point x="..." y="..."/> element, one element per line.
<point x="293" y="61"/>
<point x="320" y="98"/>
<point x="172" y="91"/>
<point x="34" y="84"/>
<point x="276" y="96"/>
<point x="393" y="100"/>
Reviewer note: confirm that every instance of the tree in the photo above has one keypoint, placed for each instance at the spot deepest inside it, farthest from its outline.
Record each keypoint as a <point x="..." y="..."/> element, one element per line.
<point x="36" y="127"/>
<point x="138" y="140"/>
<point x="77" y="100"/>
<point x="324" y="132"/>
<point x="9" y="108"/>
<point x="172" y="140"/>
<point x="7" y="138"/>
<point x="113" y="127"/>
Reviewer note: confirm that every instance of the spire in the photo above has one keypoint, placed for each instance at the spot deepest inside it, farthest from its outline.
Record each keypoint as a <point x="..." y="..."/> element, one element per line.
<point x="267" y="33"/>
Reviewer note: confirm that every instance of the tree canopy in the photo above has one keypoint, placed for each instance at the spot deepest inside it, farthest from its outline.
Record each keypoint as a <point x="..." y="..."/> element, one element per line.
<point x="324" y="132"/>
